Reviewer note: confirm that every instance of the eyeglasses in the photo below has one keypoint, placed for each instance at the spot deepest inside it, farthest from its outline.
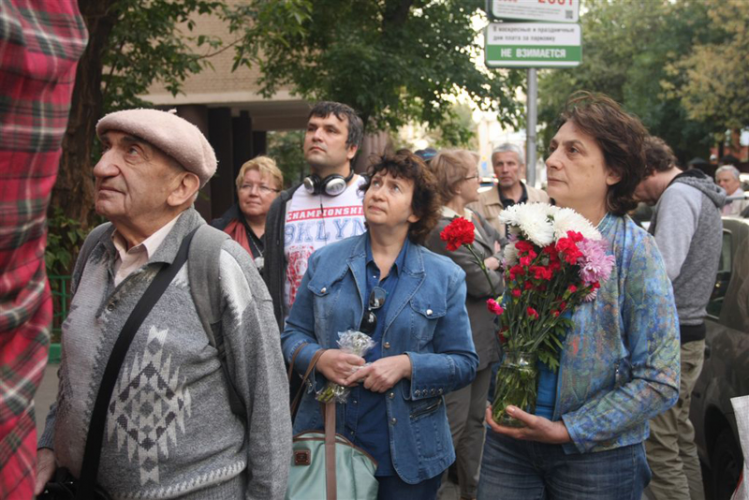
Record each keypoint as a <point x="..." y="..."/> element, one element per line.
<point x="376" y="301"/>
<point x="261" y="188"/>
<point x="470" y="178"/>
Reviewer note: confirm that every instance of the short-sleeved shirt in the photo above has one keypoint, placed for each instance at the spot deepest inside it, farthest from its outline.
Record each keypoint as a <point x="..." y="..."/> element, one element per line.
<point x="313" y="221"/>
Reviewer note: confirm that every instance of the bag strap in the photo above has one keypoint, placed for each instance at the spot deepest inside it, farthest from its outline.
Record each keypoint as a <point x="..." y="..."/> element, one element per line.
<point x="204" y="272"/>
<point x="92" y="452"/>
<point x="330" y="439"/>
<point x="312" y="364"/>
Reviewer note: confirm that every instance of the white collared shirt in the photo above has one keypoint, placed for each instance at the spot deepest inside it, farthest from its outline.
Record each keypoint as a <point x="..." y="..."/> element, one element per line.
<point x="137" y="256"/>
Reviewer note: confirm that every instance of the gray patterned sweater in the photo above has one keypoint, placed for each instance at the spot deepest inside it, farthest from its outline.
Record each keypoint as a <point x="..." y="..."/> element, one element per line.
<point x="170" y="432"/>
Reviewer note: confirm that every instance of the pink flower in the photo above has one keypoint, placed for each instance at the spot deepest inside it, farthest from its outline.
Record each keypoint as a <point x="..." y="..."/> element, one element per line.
<point x="595" y="265"/>
<point x="494" y="307"/>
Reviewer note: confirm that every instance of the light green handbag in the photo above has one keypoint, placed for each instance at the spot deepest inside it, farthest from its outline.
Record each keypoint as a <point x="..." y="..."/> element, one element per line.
<point x="351" y="475"/>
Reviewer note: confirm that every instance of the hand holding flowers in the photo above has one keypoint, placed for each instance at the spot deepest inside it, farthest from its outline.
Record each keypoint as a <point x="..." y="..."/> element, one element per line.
<point x="350" y="343"/>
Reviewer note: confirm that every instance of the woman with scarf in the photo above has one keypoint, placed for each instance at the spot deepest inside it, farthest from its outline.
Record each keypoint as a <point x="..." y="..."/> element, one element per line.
<point x="258" y="184"/>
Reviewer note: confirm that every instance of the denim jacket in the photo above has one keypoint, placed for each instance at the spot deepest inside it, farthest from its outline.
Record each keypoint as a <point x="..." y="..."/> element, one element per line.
<point x="620" y="363"/>
<point x="427" y="320"/>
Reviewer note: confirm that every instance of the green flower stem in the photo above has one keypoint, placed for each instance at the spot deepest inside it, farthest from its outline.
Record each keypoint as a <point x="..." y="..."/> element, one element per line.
<point x="483" y="268"/>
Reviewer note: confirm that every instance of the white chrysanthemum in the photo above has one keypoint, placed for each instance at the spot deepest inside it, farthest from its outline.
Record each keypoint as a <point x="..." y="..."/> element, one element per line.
<point x="566" y="219"/>
<point x="509" y="215"/>
<point x="510" y="255"/>
<point x="534" y="222"/>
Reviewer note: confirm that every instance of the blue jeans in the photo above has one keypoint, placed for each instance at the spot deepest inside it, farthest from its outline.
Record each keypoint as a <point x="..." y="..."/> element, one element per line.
<point x="394" y="488"/>
<point x="526" y="470"/>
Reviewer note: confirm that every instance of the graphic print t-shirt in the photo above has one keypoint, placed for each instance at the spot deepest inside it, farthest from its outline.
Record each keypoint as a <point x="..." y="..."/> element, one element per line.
<point x="313" y="221"/>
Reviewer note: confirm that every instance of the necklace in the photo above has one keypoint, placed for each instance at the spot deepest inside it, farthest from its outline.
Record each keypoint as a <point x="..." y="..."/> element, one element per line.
<point x="256" y="246"/>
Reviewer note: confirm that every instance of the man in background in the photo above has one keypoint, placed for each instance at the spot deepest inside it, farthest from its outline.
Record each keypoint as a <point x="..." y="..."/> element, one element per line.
<point x="327" y="208"/>
<point x="40" y="44"/>
<point x="728" y="178"/>
<point x="688" y="230"/>
<point x="508" y="162"/>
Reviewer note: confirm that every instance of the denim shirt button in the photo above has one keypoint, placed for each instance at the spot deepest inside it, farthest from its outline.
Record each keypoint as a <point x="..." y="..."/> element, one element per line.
<point x="323" y="290"/>
<point x="439" y="392"/>
<point x="356" y="401"/>
<point x="432" y="392"/>
<point x="416" y="393"/>
<point x="429" y="312"/>
<point x="393" y="421"/>
<point x="391" y="395"/>
<point x="386" y="345"/>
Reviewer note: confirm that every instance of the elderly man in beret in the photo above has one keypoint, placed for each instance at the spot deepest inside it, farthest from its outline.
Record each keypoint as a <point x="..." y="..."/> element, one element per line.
<point x="170" y="428"/>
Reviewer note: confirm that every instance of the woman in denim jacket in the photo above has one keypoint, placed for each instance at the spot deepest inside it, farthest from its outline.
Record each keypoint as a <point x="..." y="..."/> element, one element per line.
<point x="423" y="350"/>
<point x="619" y="366"/>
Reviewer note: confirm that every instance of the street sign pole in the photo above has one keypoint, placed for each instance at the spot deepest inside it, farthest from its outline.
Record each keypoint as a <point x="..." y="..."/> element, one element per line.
<point x="530" y="141"/>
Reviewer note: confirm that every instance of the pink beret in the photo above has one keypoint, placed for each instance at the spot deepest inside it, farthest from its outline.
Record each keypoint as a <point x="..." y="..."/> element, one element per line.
<point x="174" y="136"/>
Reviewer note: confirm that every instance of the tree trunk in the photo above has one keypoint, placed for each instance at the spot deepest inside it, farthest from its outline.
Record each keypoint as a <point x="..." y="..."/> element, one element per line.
<point x="74" y="190"/>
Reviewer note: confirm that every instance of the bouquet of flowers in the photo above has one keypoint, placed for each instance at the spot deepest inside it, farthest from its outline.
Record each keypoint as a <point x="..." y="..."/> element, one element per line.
<point x="555" y="261"/>
<point x="352" y="342"/>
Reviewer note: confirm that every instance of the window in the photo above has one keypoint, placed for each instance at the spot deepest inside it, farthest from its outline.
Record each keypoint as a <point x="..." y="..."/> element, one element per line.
<point x="725" y="267"/>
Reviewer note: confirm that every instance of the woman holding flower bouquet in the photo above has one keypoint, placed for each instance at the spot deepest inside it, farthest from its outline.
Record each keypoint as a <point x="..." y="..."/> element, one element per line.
<point x="618" y="355"/>
<point x="411" y="303"/>
<point x="473" y="244"/>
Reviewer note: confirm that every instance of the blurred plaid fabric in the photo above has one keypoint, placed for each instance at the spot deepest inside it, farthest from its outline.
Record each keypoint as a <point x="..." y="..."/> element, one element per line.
<point x="40" y="44"/>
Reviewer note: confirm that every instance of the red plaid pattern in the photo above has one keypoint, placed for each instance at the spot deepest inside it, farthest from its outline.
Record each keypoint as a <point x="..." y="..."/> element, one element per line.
<point x="40" y="44"/>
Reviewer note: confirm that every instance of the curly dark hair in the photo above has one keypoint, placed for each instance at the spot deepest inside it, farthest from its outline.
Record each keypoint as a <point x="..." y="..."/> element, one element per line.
<point x="621" y="138"/>
<point x="658" y="156"/>
<point x="425" y="203"/>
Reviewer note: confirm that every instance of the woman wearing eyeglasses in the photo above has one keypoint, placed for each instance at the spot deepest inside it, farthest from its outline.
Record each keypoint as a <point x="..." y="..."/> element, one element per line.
<point x="412" y="303"/>
<point x="258" y="184"/>
<point x="458" y="184"/>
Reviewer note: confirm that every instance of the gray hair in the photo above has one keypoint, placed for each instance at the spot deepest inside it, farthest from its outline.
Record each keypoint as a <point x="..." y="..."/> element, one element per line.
<point x="511" y="148"/>
<point x="728" y="168"/>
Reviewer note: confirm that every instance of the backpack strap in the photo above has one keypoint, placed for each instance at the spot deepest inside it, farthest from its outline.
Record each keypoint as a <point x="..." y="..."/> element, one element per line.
<point x="204" y="273"/>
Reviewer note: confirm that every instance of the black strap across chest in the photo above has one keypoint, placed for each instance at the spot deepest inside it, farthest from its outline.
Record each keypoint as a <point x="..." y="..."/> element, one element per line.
<point x="92" y="452"/>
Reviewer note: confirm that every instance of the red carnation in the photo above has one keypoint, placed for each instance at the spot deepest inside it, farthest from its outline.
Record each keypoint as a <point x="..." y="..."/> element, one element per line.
<point x="459" y="232"/>
<point x="494" y="307"/>
<point x="575" y="236"/>
<point x="572" y="289"/>
<point x="525" y="261"/>
<point x="524" y="246"/>
<point x="532" y="313"/>
<point x="516" y="293"/>
<point x="516" y="271"/>
<point x="528" y="285"/>
<point x="541" y="272"/>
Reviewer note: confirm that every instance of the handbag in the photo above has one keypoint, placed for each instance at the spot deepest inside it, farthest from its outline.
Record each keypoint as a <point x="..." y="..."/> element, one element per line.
<point x="64" y="486"/>
<point x="326" y="465"/>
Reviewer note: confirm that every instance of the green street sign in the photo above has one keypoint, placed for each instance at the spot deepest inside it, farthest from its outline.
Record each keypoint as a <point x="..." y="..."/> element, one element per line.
<point x="533" y="45"/>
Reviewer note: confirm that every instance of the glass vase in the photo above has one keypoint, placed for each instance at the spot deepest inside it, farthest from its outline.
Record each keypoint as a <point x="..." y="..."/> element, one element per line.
<point x="517" y="385"/>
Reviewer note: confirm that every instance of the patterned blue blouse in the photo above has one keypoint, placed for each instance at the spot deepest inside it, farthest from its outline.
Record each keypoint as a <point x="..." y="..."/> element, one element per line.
<point x="620" y="363"/>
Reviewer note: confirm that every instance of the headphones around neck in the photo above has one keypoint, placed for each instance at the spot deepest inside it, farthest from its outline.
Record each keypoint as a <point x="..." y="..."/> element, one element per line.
<point x="332" y="185"/>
